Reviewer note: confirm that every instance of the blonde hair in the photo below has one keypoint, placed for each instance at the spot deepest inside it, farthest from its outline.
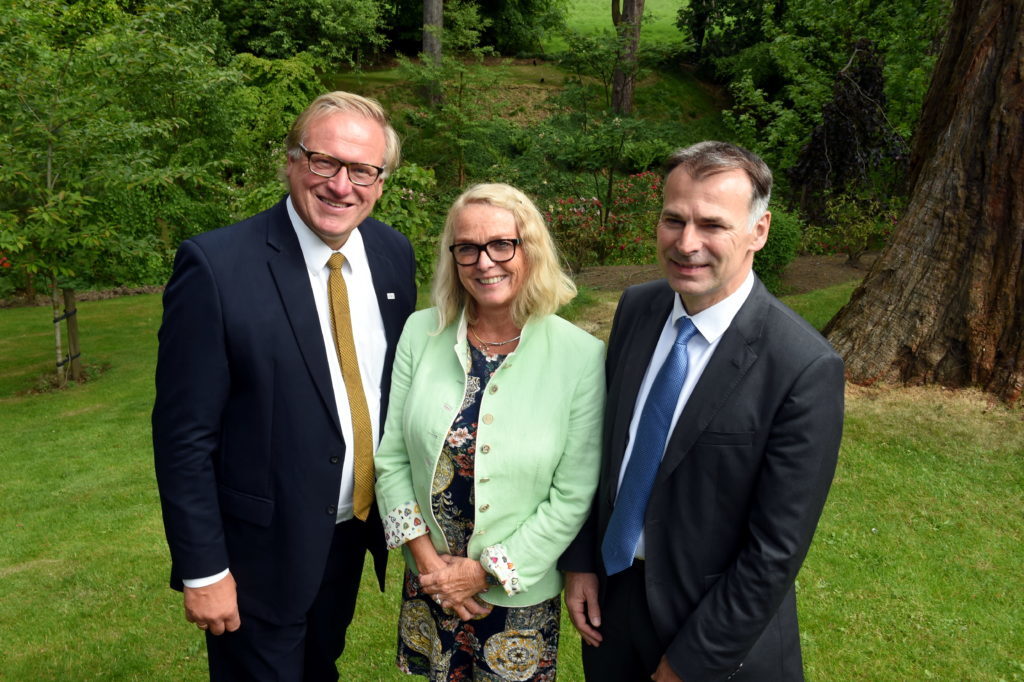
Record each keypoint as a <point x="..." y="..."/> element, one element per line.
<point x="546" y="288"/>
<point x="346" y="102"/>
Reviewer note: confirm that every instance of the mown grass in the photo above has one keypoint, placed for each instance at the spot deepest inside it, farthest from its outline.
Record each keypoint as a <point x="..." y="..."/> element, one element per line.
<point x="915" y="572"/>
<point x="589" y="17"/>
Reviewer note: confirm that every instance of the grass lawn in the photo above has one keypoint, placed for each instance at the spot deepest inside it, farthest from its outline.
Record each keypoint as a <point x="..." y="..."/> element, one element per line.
<point x="589" y="17"/>
<point x="915" y="572"/>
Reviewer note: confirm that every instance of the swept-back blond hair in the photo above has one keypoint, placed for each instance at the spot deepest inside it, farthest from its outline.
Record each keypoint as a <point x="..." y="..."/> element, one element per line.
<point x="546" y="288"/>
<point x="346" y="102"/>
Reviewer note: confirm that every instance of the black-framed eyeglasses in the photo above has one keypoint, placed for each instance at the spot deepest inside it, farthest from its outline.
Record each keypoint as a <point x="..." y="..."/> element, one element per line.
<point x="498" y="250"/>
<point x="326" y="166"/>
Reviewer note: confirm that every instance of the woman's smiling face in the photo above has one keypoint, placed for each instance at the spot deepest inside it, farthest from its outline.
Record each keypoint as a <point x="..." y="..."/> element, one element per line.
<point x="494" y="286"/>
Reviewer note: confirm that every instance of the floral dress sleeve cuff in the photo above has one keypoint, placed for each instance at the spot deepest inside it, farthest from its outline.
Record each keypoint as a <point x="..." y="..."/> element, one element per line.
<point x="404" y="523"/>
<point x="495" y="561"/>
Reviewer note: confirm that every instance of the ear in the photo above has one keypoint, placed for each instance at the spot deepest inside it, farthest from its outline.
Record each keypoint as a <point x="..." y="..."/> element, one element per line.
<point x="760" y="232"/>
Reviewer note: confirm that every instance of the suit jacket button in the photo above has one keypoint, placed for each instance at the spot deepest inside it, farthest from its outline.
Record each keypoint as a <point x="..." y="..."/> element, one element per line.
<point x="335" y="459"/>
<point x="331" y="510"/>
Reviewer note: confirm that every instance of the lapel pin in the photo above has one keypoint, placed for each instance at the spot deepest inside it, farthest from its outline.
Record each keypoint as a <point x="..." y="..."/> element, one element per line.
<point x="391" y="295"/>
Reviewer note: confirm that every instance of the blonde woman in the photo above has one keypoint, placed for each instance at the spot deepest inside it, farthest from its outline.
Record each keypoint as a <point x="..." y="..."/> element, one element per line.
<point x="490" y="457"/>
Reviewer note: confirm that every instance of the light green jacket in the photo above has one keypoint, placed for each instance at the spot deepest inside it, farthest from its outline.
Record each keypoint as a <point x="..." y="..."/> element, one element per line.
<point x="538" y="447"/>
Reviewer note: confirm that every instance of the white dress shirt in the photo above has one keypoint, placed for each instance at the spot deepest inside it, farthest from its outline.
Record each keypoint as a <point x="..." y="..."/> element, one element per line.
<point x="370" y="342"/>
<point x="711" y="324"/>
<point x="367" y="330"/>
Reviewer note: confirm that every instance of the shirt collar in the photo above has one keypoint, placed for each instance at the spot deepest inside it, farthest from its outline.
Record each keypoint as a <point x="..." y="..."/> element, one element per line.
<point x="712" y="322"/>
<point x="315" y="252"/>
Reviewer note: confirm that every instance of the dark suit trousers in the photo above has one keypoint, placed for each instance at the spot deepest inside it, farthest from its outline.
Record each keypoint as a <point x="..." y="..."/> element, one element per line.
<point x="629" y="650"/>
<point x="306" y="650"/>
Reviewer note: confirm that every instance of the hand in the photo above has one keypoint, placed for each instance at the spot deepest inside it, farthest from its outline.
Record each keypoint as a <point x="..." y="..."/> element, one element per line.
<point x="456" y="586"/>
<point x="214" y="607"/>
<point x="581" y="602"/>
<point x="665" y="673"/>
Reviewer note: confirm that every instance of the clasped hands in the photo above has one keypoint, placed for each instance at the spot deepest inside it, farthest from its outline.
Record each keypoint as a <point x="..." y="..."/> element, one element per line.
<point x="454" y="583"/>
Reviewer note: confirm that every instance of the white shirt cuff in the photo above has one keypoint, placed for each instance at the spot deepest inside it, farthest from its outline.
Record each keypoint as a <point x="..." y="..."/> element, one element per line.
<point x="203" y="582"/>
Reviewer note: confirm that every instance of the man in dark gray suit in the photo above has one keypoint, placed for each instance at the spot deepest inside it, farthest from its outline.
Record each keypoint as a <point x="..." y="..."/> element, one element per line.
<point x="721" y="434"/>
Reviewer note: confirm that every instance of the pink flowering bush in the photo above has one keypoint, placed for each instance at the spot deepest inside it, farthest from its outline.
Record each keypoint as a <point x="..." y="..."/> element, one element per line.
<point x="622" y="233"/>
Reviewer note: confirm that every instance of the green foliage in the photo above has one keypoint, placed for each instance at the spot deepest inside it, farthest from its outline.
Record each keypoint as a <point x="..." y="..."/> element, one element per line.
<point x="108" y="113"/>
<point x="454" y="107"/>
<point x="333" y="32"/>
<point x="853" y="149"/>
<point x="518" y="26"/>
<point x="717" y="28"/>
<point x="127" y="136"/>
<point x="408" y="205"/>
<point x="781" y="83"/>
<point x="780" y="249"/>
<point x="854" y="226"/>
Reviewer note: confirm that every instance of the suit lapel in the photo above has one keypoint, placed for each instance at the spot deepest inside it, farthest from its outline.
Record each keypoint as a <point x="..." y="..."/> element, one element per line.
<point x="292" y="279"/>
<point x="384" y="271"/>
<point x="731" y="361"/>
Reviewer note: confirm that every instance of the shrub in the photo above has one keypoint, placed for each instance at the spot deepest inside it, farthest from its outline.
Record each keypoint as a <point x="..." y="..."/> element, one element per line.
<point x="855" y="226"/>
<point x="779" y="250"/>
<point x="624" y="234"/>
<point x="406" y="206"/>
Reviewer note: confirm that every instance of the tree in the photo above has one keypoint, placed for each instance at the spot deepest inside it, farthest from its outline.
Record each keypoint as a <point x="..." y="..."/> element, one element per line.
<point x="444" y="129"/>
<point x="122" y="135"/>
<point x="780" y="60"/>
<point x="854" y="145"/>
<point x="433" y="27"/>
<point x="626" y="17"/>
<point x="333" y="31"/>
<point x="944" y="303"/>
<point x="517" y="26"/>
<point x="433" y="24"/>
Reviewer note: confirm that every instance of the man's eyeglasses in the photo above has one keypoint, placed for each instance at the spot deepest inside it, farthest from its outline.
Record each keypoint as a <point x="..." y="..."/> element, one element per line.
<point x="326" y="166"/>
<point x="498" y="250"/>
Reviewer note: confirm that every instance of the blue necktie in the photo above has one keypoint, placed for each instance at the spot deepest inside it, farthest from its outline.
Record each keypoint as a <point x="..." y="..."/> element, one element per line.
<point x="627" y="520"/>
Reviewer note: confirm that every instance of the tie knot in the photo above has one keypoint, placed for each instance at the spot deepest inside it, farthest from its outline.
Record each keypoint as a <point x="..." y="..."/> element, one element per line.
<point x="335" y="261"/>
<point x="686" y="331"/>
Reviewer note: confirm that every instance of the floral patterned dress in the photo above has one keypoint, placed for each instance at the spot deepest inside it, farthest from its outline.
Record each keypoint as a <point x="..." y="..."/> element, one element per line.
<point x="507" y="644"/>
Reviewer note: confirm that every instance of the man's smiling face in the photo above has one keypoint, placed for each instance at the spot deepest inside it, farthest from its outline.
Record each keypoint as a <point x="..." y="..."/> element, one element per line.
<point x="705" y="242"/>
<point x="333" y="207"/>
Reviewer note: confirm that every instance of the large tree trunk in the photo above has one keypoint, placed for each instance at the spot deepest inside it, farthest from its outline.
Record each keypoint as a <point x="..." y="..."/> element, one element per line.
<point x="627" y="25"/>
<point x="944" y="303"/>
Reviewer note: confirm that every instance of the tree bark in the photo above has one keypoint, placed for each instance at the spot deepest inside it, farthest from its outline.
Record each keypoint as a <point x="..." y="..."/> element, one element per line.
<point x="58" y="346"/>
<point x="627" y="26"/>
<point x="433" y="24"/>
<point x="944" y="302"/>
<point x="74" y="352"/>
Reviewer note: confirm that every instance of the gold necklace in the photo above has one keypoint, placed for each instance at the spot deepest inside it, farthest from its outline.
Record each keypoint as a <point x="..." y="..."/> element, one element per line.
<point x="492" y="344"/>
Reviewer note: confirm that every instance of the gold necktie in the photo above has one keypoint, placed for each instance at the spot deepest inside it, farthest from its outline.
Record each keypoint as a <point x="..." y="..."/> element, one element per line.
<point x="362" y="427"/>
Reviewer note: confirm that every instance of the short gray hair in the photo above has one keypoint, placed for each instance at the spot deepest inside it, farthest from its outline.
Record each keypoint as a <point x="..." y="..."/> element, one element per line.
<point x="710" y="157"/>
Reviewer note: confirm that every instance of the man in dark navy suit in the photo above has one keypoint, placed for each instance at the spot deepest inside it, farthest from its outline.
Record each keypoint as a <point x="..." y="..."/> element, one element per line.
<point x="272" y="381"/>
<point x="721" y="433"/>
